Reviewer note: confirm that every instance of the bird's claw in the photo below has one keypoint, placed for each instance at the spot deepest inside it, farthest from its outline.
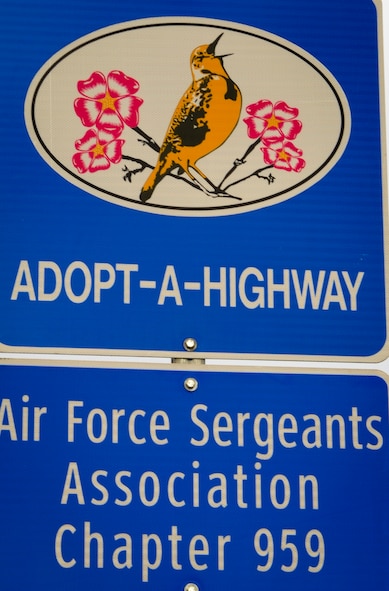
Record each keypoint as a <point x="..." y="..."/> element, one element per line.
<point x="221" y="193"/>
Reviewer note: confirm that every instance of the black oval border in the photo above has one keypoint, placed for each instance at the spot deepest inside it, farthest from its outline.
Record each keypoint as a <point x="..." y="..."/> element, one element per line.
<point x="247" y="205"/>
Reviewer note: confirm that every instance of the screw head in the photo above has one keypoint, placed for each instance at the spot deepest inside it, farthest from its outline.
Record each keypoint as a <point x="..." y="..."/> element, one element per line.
<point x="191" y="587"/>
<point x="190" y="344"/>
<point x="191" y="384"/>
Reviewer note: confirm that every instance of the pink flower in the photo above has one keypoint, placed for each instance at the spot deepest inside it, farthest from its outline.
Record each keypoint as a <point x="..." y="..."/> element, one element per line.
<point x="284" y="155"/>
<point x="109" y="103"/>
<point x="272" y="123"/>
<point x="97" y="151"/>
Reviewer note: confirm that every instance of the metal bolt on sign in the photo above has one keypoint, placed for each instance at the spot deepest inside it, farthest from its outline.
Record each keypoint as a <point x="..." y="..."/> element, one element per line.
<point x="191" y="384"/>
<point x="190" y="344"/>
<point x="191" y="587"/>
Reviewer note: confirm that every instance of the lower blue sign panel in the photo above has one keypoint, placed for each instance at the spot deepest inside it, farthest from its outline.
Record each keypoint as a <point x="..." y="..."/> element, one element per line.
<point x="126" y="479"/>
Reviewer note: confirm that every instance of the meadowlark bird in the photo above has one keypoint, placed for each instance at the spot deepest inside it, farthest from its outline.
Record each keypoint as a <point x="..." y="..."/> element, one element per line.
<point x="204" y="118"/>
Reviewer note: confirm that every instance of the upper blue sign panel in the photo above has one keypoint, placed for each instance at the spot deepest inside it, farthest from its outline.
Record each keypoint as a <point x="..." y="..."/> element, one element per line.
<point x="217" y="175"/>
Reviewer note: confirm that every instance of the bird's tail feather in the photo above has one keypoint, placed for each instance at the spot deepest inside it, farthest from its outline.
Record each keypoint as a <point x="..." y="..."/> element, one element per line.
<point x="150" y="184"/>
<point x="156" y="175"/>
<point x="146" y="194"/>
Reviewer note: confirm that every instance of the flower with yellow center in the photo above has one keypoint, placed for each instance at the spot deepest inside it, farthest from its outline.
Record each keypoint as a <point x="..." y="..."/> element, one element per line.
<point x="272" y="123"/>
<point x="109" y="103"/>
<point x="284" y="155"/>
<point x="97" y="151"/>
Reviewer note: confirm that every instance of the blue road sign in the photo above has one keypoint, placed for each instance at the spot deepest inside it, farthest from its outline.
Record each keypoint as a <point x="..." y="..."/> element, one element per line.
<point x="215" y="175"/>
<point x="136" y="479"/>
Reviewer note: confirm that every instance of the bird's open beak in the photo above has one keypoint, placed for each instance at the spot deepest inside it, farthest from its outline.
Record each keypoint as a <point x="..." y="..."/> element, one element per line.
<point x="212" y="46"/>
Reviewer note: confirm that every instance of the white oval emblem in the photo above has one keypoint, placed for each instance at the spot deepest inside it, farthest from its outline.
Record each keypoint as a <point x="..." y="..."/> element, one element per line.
<point x="187" y="116"/>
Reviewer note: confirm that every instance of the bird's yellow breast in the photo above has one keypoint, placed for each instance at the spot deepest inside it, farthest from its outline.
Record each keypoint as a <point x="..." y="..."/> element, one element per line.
<point x="209" y="111"/>
<point x="223" y="106"/>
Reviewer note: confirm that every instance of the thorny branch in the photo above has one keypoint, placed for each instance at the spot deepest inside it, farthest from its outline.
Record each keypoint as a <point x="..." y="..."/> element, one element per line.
<point x="218" y="192"/>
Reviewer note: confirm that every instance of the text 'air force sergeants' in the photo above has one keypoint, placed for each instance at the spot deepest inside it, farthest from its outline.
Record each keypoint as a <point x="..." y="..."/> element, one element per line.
<point x="158" y="484"/>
